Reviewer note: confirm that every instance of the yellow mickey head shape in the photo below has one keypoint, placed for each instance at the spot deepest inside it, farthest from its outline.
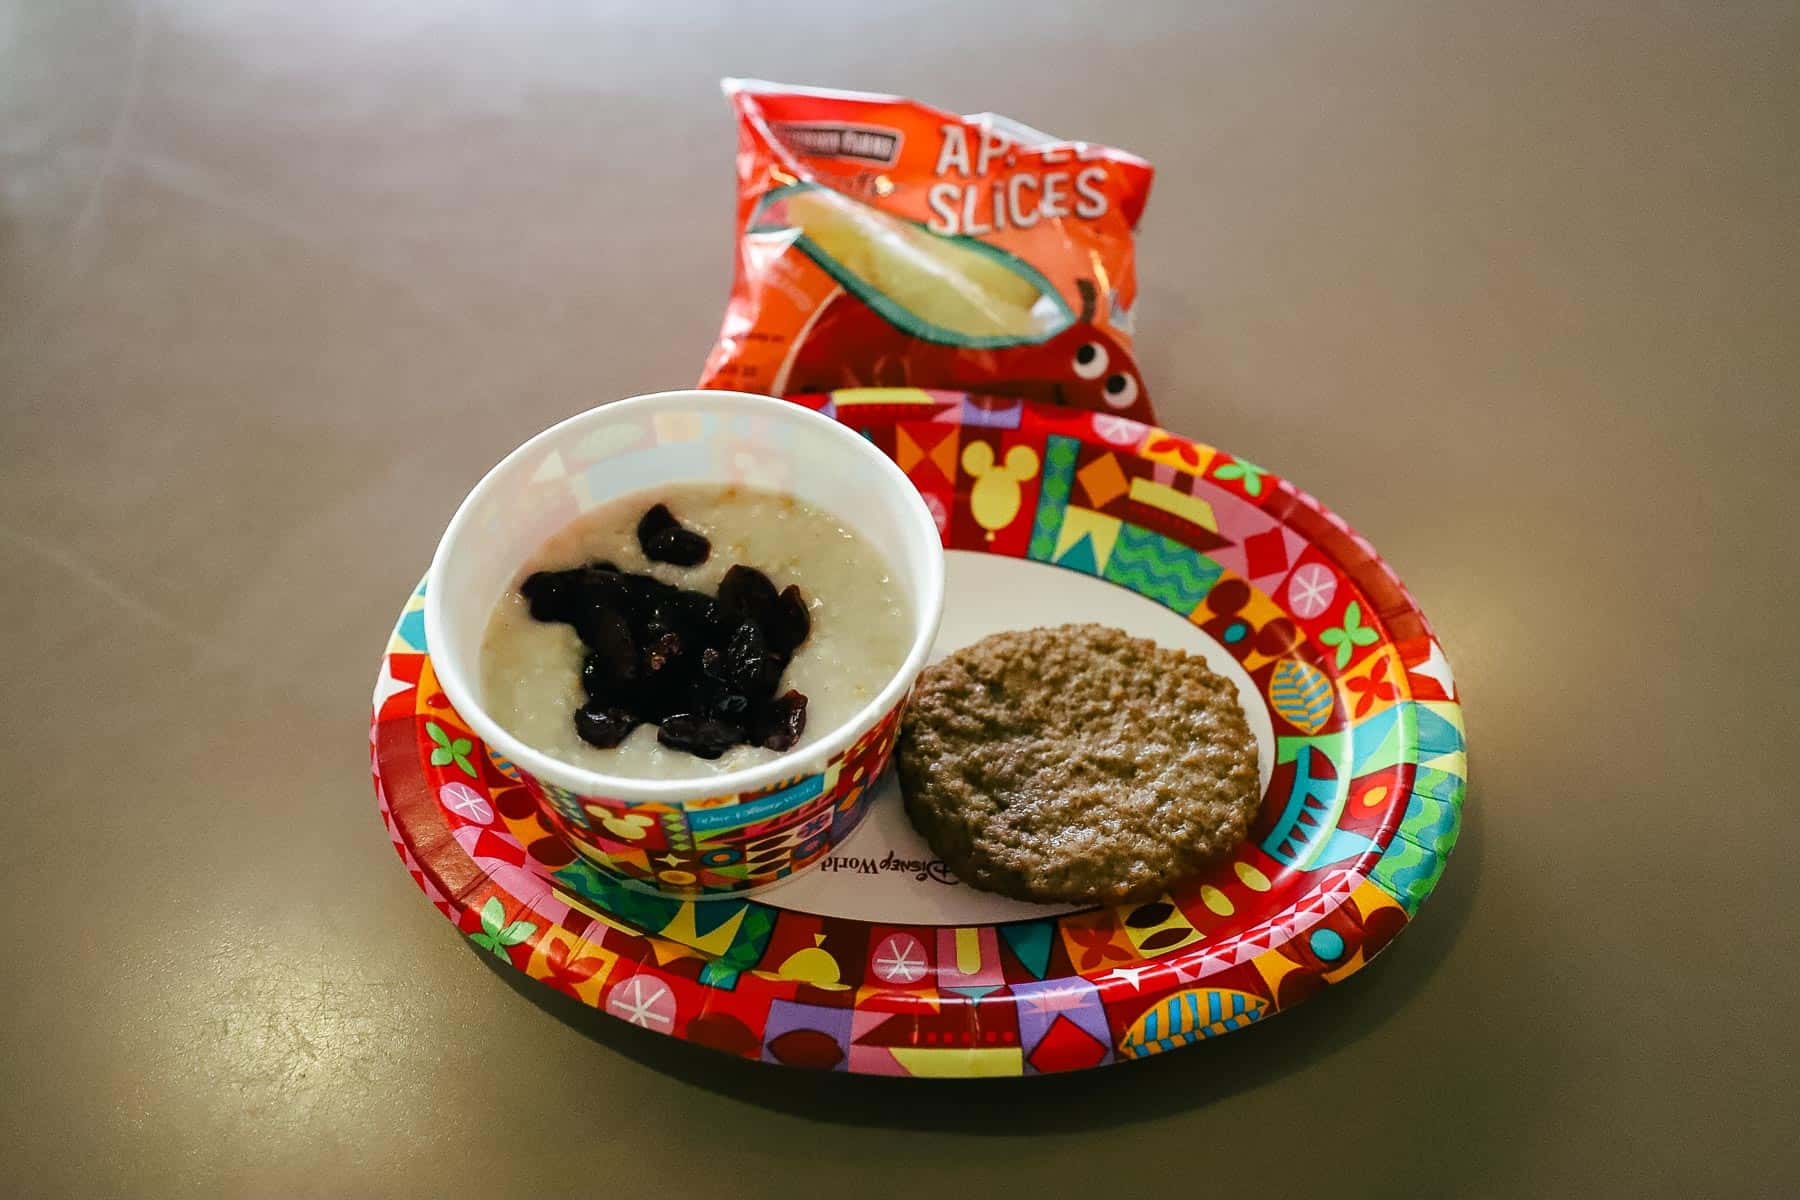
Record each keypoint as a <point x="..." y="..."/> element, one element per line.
<point x="996" y="496"/>
<point x="630" y="826"/>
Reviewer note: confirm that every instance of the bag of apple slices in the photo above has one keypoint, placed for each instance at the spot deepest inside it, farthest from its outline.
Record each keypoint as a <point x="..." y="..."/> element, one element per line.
<point x="883" y="243"/>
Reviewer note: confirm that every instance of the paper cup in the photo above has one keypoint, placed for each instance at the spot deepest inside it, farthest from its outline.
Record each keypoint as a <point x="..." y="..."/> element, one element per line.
<point x="727" y="834"/>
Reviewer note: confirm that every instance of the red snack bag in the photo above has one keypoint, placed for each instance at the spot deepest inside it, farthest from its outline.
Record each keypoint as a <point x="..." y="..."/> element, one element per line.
<point x="884" y="243"/>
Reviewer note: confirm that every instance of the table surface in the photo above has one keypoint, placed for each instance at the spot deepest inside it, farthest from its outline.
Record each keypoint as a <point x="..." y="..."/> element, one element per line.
<point x="280" y="280"/>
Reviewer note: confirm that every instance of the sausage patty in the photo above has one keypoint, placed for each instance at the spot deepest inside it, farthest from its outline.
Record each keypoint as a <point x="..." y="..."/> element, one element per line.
<point x="1077" y="763"/>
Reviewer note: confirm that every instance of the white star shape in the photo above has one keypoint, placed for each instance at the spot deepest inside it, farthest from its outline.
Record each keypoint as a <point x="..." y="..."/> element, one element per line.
<point x="1311" y="590"/>
<point x="1132" y="975"/>
<point x="669" y="860"/>
<point x="387" y="687"/>
<point x="638" y="1004"/>
<point x="896" y="963"/>
<point x="1437" y="667"/>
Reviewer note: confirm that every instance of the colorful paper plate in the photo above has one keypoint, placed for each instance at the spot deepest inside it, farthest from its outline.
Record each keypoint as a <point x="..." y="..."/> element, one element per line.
<point x="878" y="961"/>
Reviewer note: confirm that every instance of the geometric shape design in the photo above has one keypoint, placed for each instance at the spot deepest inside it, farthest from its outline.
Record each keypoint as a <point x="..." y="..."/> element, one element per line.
<point x="812" y="1049"/>
<point x="1161" y="446"/>
<point x="958" y="1064"/>
<point x="755" y="979"/>
<point x="1119" y="431"/>
<point x="1085" y="541"/>
<point x="1251" y="878"/>
<point x="411" y="630"/>
<point x="1436" y="734"/>
<point x="1031" y="941"/>
<point x="1183" y="505"/>
<point x="1157" y="927"/>
<point x="1162" y="569"/>
<point x="807" y="1035"/>
<point x="709" y="925"/>
<point x="849" y="398"/>
<point x="1066" y="1047"/>
<point x="968" y="956"/>
<point x="1103" y="480"/>
<point x="1437" y="668"/>
<point x="1187" y="1017"/>
<point x="991" y="414"/>
<point x="387" y="687"/>
<point x="1265" y="553"/>
<point x="974" y="993"/>
<point x="1060" y="454"/>
<point x="1310" y="812"/>
<point x="466" y="802"/>
<point x="643" y="1001"/>
<point x="912" y="449"/>
<point x="1239" y="521"/>
<point x="1080" y="556"/>
<point x="1040" y="1005"/>
<point x="1301" y="695"/>
<point x="1384" y="739"/>
<point x="1311" y="590"/>
<point x="899" y="959"/>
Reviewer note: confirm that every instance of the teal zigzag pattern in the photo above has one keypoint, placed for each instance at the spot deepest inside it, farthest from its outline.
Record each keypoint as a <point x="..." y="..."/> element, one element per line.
<point x="1164" y="570"/>
<point x="1416" y="856"/>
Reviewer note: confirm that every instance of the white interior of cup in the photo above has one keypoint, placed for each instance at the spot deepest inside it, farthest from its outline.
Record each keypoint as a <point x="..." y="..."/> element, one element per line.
<point x="645" y="442"/>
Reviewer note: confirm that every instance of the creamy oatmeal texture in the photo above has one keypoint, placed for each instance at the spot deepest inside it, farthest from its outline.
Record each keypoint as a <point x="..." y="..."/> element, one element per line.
<point x="861" y="624"/>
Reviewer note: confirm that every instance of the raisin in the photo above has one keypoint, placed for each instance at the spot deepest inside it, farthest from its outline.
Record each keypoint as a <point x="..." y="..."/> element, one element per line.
<point x="553" y="595"/>
<point x="663" y="651"/>
<point x="788" y="623"/>
<point x="603" y="727"/>
<point x="704" y="667"/>
<point x="730" y="706"/>
<point x="746" y="594"/>
<point x="701" y="610"/>
<point x="678" y="547"/>
<point x="780" y="723"/>
<point x="634" y="595"/>
<point x="749" y="666"/>
<point x="664" y="539"/>
<point x="600" y="683"/>
<point x="655" y="520"/>
<point x="747" y="642"/>
<point x="662" y="693"/>
<point x="609" y="636"/>
<point x="611" y="588"/>
<point x="703" y="737"/>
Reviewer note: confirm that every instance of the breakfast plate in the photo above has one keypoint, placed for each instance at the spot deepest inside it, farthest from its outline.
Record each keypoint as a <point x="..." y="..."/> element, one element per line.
<point x="877" y="960"/>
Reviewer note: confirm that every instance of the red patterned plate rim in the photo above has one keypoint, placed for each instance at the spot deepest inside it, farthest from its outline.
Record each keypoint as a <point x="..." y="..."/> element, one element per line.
<point x="1368" y="725"/>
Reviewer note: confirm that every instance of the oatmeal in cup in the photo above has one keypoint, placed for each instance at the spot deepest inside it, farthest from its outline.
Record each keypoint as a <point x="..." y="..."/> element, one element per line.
<point x="691" y="620"/>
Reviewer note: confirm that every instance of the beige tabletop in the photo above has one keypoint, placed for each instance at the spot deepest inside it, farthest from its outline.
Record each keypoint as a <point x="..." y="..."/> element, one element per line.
<point x="1512" y="289"/>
